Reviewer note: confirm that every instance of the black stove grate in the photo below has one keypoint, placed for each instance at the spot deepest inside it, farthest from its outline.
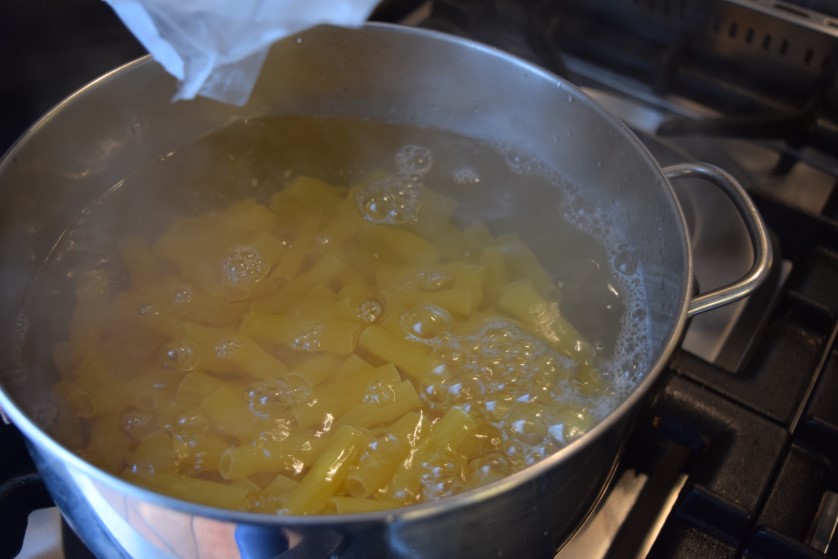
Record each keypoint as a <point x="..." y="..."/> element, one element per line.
<point x="762" y="441"/>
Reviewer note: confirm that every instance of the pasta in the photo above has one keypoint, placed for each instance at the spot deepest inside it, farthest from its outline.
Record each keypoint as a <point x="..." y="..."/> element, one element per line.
<point x="312" y="355"/>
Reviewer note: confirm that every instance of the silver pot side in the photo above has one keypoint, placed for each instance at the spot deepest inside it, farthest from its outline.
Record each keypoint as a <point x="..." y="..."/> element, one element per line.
<point x="407" y="76"/>
<point x="531" y="519"/>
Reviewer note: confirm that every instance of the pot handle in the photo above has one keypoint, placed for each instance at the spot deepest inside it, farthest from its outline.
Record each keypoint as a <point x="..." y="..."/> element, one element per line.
<point x="756" y="229"/>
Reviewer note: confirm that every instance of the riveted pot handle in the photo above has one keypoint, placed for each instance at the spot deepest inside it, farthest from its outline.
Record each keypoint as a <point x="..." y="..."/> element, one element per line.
<point x="756" y="230"/>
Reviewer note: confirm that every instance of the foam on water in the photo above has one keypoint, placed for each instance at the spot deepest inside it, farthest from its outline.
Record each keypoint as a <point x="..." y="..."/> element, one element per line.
<point x="630" y="357"/>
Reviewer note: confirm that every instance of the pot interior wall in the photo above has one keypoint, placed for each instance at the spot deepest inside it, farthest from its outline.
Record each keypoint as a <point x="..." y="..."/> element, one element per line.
<point x="88" y="144"/>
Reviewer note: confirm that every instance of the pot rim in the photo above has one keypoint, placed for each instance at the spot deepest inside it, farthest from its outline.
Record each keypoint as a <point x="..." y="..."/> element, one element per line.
<point x="56" y="451"/>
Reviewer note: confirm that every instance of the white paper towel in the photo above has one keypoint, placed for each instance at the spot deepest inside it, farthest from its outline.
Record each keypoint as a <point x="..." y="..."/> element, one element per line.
<point x="216" y="48"/>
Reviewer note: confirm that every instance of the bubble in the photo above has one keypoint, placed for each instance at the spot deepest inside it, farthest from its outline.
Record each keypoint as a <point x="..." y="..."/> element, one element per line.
<point x="441" y="474"/>
<point x="309" y="340"/>
<point x="568" y="424"/>
<point x="137" y="423"/>
<point x="180" y="355"/>
<point x="433" y="280"/>
<point x="378" y="392"/>
<point x="275" y="395"/>
<point x="369" y="311"/>
<point x="488" y="468"/>
<point x="466" y="175"/>
<point x="414" y="159"/>
<point x="227" y="348"/>
<point x="190" y="423"/>
<point x="180" y="293"/>
<point x="426" y="322"/>
<point x="523" y="165"/>
<point x="243" y="264"/>
<point x="147" y="309"/>
<point x="625" y="263"/>
<point x="393" y="200"/>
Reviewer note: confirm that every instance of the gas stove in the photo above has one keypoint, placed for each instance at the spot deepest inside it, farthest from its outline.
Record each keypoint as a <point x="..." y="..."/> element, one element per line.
<point x="736" y="453"/>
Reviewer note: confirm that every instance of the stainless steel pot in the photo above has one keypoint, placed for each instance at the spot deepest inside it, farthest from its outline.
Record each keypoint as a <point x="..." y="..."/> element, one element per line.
<point x="407" y="76"/>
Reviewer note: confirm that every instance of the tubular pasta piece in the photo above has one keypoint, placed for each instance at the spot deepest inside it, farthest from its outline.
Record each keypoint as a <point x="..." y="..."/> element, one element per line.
<point x="251" y="357"/>
<point x="195" y="387"/>
<point x="380" y="459"/>
<point x="396" y="245"/>
<point x="317" y="369"/>
<point x="399" y="400"/>
<point x="387" y="346"/>
<point x="328" y="472"/>
<point x="332" y="336"/>
<point x="267" y="454"/>
<point x="334" y="399"/>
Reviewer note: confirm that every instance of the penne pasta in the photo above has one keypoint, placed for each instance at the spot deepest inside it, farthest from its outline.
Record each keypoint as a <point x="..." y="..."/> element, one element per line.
<point x="309" y="356"/>
<point x="383" y="455"/>
<point x="328" y="473"/>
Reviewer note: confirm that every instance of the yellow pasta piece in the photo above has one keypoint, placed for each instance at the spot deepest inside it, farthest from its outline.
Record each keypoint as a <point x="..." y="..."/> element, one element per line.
<point x="317" y="304"/>
<point x="91" y="396"/>
<point x="524" y="263"/>
<point x="332" y="400"/>
<point x="447" y="435"/>
<point x="380" y="459"/>
<point x="270" y="454"/>
<point x="353" y="364"/>
<point x="193" y="305"/>
<point x="206" y="335"/>
<point x="389" y="404"/>
<point x="153" y="455"/>
<point x="456" y="287"/>
<point x="521" y="300"/>
<point x="64" y="358"/>
<point x="292" y="260"/>
<point x="496" y="273"/>
<point x="154" y="397"/>
<point x="317" y="369"/>
<point x="326" y="270"/>
<point x="143" y="268"/>
<point x="479" y="237"/>
<point x="413" y="360"/>
<point x="269" y="250"/>
<point x="328" y="472"/>
<point x="250" y="215"/>
<point x="435" y="212"/>
<point x="251" y="357"/>
<point x="227" y="408"/>
<point x="333" y="336"/>
<point x="108" y="444"/>
<point x="195" y="387"/>
<point x="200" y="453"/>
<point x="346" y="223"/>
<point x="451" y="430"/>
<point x="309" y="195"/>
<point x="396" y="245"/>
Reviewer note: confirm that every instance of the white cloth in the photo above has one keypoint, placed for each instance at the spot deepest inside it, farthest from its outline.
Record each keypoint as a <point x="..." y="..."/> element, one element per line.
<point x="216" y="48"/>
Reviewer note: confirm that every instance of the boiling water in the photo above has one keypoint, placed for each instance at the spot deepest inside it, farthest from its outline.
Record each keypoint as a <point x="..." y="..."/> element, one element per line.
<point x="582" y="250"/>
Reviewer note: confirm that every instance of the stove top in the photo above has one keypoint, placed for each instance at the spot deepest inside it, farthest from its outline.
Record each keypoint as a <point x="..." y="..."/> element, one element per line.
<point x="735" y="456"/>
